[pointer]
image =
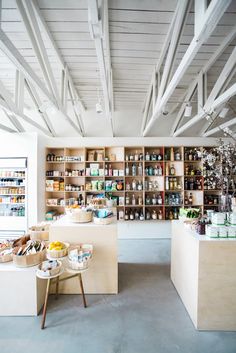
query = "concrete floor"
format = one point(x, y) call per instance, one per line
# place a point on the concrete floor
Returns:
point(146, 317)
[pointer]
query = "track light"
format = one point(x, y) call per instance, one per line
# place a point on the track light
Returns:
point(188, 110)
point(223, 113)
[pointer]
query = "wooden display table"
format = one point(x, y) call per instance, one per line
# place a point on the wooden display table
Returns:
point(102, 277)
point(21, 293)
point(203, 271)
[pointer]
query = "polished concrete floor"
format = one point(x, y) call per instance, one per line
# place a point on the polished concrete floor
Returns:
point(146, 317)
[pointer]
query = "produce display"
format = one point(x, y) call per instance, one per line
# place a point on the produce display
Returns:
point(56, 245)
point(189, 212)
point(57, 249)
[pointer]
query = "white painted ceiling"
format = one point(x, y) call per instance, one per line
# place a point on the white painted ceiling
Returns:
point(137, 32)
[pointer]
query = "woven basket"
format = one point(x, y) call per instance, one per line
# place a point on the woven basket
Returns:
point(28, 260)
point(103, 221)
point(48, 273)
point(38, 235)
point(6, 258)
point(56, 254)
point(76, 265)
point(80, 216)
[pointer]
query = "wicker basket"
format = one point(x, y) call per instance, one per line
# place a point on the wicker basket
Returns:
point(56, 254)
point(38, 235)
point(6, 258)
point(80, 216)
point(48, 273)
point(28, 260)
point(103, 221)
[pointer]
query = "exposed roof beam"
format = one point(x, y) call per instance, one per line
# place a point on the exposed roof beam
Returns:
point(220, 127)
point(15, 122)
point(157, 69)
point(108, 54)
point(54, 45)
point(37, 102)
point(17, 59)
point(19, 91)
point(24, 117)
point(34, 34)
point(211, 17)
point(229, 66)
point(170, 59)
point(95, 25)
point(6, 128)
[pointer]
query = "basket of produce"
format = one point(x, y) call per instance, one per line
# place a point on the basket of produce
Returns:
point(40, 231)
point(30, 254)
point(103, 216)
point(79, 215)
point(49, 268)
point(57, 249)
point(6, 252)
point(79, 256)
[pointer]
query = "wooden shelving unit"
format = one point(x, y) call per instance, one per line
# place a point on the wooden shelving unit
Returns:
point(76, 174)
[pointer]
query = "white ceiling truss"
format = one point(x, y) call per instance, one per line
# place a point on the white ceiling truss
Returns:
point(146, 60)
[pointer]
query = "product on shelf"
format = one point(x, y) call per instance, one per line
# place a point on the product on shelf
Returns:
point(57, 249)
point(49, 268)
point(79, 256)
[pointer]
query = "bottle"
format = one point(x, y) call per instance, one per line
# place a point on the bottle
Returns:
point(140, 200)
point(140, 156)
point(191, 184)
point(133, 200)
point(167, 183)
point(146, 171)
point(136, 215)
point(128, 187)
point(190, 155)
point(175, 215)
point(160, 214)
point(131, 157)
point(171, 154)
point(160, 170)
point(127, 169)
point(148, 215)
point(167, 169)
point(147, 156)
point(186, 183)
point(141, 216)
point(171, 216)
point(106, 171)
point(150, 170)
point(190, 199)
point(154, 214)
point(134, 170)
point(134, 184)
point(139, 186)
point(140, 170)
point(110, 170)
point(136, 156)
point(153, 156)
point(131, 215)
point(177, 155)
point(159, 200)
point(186, 200)
point(127, 199)
point(126, 215)
point(154, 200)
point(148, 200)
point(172, 170)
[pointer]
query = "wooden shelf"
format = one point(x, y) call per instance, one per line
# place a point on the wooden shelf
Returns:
point(120, 163)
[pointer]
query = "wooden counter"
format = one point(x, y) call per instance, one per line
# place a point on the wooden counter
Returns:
point(203, 271)
point(102, 276)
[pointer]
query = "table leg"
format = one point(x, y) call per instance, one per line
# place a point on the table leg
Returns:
point(45, 304)
point(57, 286)
point(82, 289)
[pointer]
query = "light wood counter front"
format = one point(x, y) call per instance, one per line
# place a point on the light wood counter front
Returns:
point(203, 271)
point(102, 275)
